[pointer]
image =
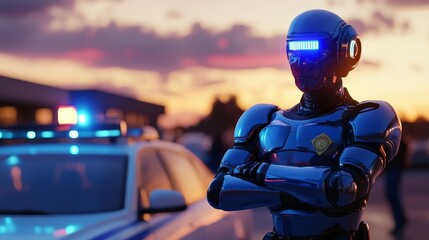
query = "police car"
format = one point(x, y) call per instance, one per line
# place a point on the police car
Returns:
point(102, 182)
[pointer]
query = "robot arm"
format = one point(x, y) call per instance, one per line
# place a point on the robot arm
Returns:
point(258, 184)
point(344, 186)
point(244, 136)
point(231, 193)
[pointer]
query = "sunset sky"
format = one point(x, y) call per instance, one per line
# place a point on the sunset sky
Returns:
point(182, 54)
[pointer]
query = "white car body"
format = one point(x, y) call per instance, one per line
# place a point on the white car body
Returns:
point(197, 221)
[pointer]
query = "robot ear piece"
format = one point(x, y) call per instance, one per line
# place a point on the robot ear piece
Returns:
point(349, 50)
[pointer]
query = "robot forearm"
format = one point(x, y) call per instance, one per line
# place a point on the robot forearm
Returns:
point(308, 184)
point(230, 193)
point(327, 187)
point(258, 184)
point(320, 187)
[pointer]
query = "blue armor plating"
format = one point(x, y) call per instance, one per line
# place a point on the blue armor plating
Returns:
point(384, 128)
point(235, 157)
point(253, 118)
point(238, 194)
point(312, 165)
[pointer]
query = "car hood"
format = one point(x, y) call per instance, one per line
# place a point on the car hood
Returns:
point(62, 226)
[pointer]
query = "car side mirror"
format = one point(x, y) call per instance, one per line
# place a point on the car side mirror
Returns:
point(161, 200)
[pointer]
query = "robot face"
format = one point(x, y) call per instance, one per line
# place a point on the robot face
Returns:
point(308, 61)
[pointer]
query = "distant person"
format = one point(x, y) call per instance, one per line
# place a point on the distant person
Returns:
point(393, 179)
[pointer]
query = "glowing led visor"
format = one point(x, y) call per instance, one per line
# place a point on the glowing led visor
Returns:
point(303, 45)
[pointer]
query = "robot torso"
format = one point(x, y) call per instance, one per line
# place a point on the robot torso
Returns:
point(302, 142)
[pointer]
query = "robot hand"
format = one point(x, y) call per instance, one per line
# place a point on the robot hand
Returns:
point(251, 172)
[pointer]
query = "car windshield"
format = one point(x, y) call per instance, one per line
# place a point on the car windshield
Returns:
point(61, 184)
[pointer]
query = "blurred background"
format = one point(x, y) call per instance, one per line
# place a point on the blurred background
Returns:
point(191, 67)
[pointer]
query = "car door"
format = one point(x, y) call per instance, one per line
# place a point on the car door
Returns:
point(190, 177)
point(153, 174)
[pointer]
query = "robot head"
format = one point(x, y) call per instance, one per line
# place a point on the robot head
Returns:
point(321, 47)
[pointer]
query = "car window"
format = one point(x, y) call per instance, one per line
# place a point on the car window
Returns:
point(151, 175)
point(61, 183)
point(184, 176)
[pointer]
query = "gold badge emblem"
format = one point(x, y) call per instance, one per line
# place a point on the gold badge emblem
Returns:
point(321, 143)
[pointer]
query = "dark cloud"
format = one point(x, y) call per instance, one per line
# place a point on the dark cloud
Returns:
point(26, 7)
point(361, 27)
point(397, 3)
point(408, 3)
point(382, 20)
point(378, 23)
point(139, 48)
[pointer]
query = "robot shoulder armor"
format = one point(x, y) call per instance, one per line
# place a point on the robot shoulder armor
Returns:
point(256, 116)
point(377, 122)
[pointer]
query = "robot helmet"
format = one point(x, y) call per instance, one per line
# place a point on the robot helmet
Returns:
point(319, 46)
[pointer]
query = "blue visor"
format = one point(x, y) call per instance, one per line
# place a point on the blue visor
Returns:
point(303, 45)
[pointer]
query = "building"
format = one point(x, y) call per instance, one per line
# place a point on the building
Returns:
point(23, 102)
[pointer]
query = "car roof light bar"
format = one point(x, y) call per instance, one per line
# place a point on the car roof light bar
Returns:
point(110, 130)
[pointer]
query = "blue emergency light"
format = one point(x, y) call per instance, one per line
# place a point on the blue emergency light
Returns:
point(303, 45)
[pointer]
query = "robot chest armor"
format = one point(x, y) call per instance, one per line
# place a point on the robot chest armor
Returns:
point(310, 142)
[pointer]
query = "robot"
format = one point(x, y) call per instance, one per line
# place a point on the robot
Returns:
point(312, 165)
